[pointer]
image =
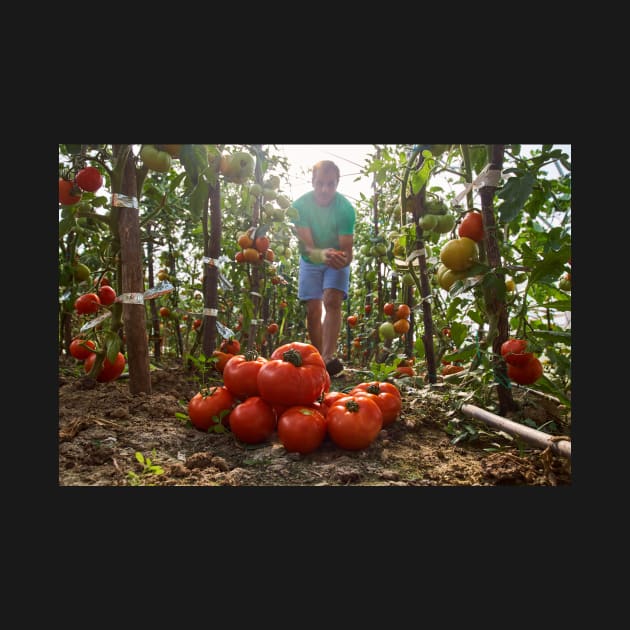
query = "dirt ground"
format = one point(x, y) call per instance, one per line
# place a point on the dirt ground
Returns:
point(104, 431)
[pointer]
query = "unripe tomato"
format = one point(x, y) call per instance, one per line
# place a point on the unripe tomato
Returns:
point(89, 178)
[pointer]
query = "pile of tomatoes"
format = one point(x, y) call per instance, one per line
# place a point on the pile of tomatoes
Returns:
point(290, 393)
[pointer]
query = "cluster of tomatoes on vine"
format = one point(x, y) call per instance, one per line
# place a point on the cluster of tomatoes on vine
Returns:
point(87, 179)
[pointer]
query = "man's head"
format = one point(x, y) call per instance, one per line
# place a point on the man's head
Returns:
point(325, 180)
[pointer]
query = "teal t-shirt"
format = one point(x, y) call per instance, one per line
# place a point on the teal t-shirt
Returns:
point(326, 222)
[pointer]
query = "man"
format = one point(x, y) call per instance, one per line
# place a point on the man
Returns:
point(325, 228)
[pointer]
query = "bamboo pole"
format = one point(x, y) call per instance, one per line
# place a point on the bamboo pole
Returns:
point(559, 445)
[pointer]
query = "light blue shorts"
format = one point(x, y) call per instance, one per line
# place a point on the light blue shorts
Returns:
point(313, 279)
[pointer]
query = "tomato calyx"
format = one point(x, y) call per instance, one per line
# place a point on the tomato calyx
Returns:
point(373, 389)
point(352, 405)
point(292, 356)
point(208, 392)
point(251, 355)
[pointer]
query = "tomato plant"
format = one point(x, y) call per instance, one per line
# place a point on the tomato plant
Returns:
point(78, 349)
point(253, 420)
point(240, 374)
point(301, 429)
point(210, 408)
point(294, 375)
point(109, 371)
point(89, 178)
point(354, 422)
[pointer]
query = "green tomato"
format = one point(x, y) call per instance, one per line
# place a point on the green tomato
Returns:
point(156, 160)
point(386, 331)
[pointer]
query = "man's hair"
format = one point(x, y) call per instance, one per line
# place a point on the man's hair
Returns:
point(326, 165)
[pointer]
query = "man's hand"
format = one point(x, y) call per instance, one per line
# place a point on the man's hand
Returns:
point(335, 258)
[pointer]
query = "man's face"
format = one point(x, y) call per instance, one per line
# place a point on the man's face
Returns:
point(324, 186)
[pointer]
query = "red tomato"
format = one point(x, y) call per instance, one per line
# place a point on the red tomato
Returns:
point(231, 346)
point(329, 399)
point(527, 373)
point(389, 308)
point(513, 352)
point(354, 422)
point(253, 420)
point(78, 349)
point(471, 226)
point(109, 371)
point(165, 312)
point(210, 407)
point(87, 303)
point(261, 243)
point(301, 429)
point(273, 328)
point(294, 375)
point(446, 332)
point(405, 370)
point(240, 375)
point(222, 359)
point(89, 178)
point(196, 324)
point(368, 309)
point(352, 320)
point(383, 386)
point(106, 295)
point(389, 402)
point(68, 193)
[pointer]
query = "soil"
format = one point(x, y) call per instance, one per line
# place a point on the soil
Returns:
point(103, 430)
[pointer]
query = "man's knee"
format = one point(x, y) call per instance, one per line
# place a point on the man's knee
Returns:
point(333, 299)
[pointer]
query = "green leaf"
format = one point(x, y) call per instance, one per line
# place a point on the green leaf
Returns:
point(199, 199)
point(551, 266)
point(553, 336)
point(112, 345)
point(140, 457)
point(459, 332)
point(515, 193)
point(194, 158)
point(65, 225)
point(465, 353)
point(558, 305)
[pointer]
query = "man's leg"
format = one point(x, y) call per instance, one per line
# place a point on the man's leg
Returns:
point(333, 299)
point(314, 322)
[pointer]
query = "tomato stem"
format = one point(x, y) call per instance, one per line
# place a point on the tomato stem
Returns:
point(292, 356)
